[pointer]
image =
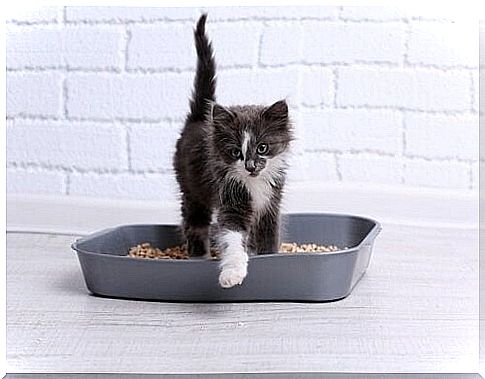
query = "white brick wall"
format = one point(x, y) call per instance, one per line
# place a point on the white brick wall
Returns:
point(419, 172)
point(273, 13)
point(478, 101)
point(237, 43)
point(443, 44)
point(316, 86)
point(408, 88)
point(475, 175)
point(359, 13)
point(91, 15)
point(34, 16)
point(313, 166)
point(152, 146)
point(34, 94)
point(149, 186)
point(258, 86)
point(128, 96)
point(158, 47)
point(370, 168)
point(438, 136)
point(93, 47)
point(370, 130)
point(281, 43)
point(84, 146)
point(38, 181)
point(337, 42)
point(96, 96)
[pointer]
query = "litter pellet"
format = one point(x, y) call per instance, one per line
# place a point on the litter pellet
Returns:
point(146, 250)
point(307, 248)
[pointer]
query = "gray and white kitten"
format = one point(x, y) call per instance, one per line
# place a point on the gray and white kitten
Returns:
point(233, 160)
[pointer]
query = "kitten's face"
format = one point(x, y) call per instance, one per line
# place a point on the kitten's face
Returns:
point(252, 139)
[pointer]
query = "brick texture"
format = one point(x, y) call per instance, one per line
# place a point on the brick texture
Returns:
point(96, 96)
point(438, 136)
point(152, 146)
point(420, 89)
point(34, 94)
point(137, 97)
point(370, 168)
point(316, 86)
point(79, 47)
point(427, 40)
point(125, 186)
point(35, 181)
point(33, 15)
point(418, 172)
point(74, 145)
point(352, 42)
point(360, 130)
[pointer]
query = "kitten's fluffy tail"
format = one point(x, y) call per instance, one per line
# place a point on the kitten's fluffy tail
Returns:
point(205, 81)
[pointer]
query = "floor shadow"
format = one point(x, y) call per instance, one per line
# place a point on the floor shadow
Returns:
point(71, 281)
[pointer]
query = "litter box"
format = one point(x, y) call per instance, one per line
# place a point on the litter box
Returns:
point(302, 277)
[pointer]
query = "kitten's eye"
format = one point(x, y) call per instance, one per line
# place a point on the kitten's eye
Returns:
point(236, 153)
point(262, 148)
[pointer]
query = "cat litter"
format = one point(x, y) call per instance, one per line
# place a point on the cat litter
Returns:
point(146, 250)
point(295, 276)
point(307, 248)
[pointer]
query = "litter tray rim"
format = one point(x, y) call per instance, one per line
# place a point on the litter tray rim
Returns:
point(371, 235)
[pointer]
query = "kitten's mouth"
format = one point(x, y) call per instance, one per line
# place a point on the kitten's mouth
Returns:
point(253, 174)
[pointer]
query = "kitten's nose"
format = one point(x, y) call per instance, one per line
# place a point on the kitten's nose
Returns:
point(250, 166)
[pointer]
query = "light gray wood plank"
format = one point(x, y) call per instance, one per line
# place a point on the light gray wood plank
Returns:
point(246, 376)
point(416, 310)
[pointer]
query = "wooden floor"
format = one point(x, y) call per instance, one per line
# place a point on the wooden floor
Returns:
point(416, 310)
point(291, 375)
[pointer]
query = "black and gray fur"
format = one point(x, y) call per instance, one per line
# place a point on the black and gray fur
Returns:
point(213, 172)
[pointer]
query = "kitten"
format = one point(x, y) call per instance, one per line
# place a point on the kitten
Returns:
point(233, 160)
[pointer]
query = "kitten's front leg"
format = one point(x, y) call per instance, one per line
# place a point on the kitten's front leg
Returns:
point(234, 259)
point(234, 219)
point(264, 238)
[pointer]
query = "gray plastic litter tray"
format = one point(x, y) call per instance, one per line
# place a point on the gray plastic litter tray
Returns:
point(271, 277)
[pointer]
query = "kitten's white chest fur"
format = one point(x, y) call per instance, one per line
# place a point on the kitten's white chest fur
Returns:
point(261, 187)
point(260, 190)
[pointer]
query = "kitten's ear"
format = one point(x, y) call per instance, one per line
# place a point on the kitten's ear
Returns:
point(278, 112)
point(221, 115)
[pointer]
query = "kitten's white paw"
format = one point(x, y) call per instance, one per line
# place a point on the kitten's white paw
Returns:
point(231, 276)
